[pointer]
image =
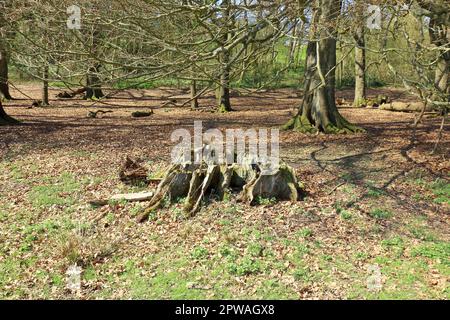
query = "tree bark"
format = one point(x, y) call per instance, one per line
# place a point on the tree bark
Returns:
point(293, 44)
point(4, 87)
point(4, 118)
point(194, 101)
point(93, 81)
point(318, 111)
point(360, 61)
point(223, 91)
point(440, 36)
point(45, 86)
point(93, 84)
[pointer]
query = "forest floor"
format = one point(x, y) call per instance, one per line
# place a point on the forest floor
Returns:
point(375, 201)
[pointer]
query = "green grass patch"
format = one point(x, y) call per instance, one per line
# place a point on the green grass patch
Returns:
point(438, 251)
point(441, 191)
point(245, 266)
point(200, 253)
point(55, 192)
point(304, 233)
point(380, 214)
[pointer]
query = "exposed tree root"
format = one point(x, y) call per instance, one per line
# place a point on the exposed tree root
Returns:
point(223, 108)
point(302, 124)
point(6, 119)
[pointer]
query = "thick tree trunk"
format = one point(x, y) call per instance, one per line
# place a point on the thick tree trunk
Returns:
point(4, 118)
point(360, 66)
point(4, 88)
point(439, 29)
point(93, 81)
point(442, 79)
point(223, 91)
point(93, 84)
point(318, 111)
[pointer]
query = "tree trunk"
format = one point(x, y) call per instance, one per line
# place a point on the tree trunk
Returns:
point(440, 36)
point(223, 91)
point(442, 79)
point(4, 88)
point(318, 111)
point(4, 118)
point(93, 81)
point(194, 99)
point(93, 84)
point(45, 86)
point(360, 64)
point(293, 44)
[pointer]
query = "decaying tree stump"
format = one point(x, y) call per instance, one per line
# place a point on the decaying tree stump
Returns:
point(197, 182)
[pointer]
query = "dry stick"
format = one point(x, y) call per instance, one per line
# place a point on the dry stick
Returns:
point(337, 187)
point(165, 104)
point(441, 129)
point(418, 120)
point(20, 91)
point(205, 90)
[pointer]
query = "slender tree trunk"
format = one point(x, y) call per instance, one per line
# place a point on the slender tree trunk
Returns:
point(340, 69)
point(293, 44)
point(4, 87)
point(360, 66)
point(45, 101)
point(318, 111)
point(194, 99)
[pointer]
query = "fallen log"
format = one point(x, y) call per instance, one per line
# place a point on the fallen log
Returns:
point(129, 197)
point(70, 95)
point(405, 107)
point(141, 114)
